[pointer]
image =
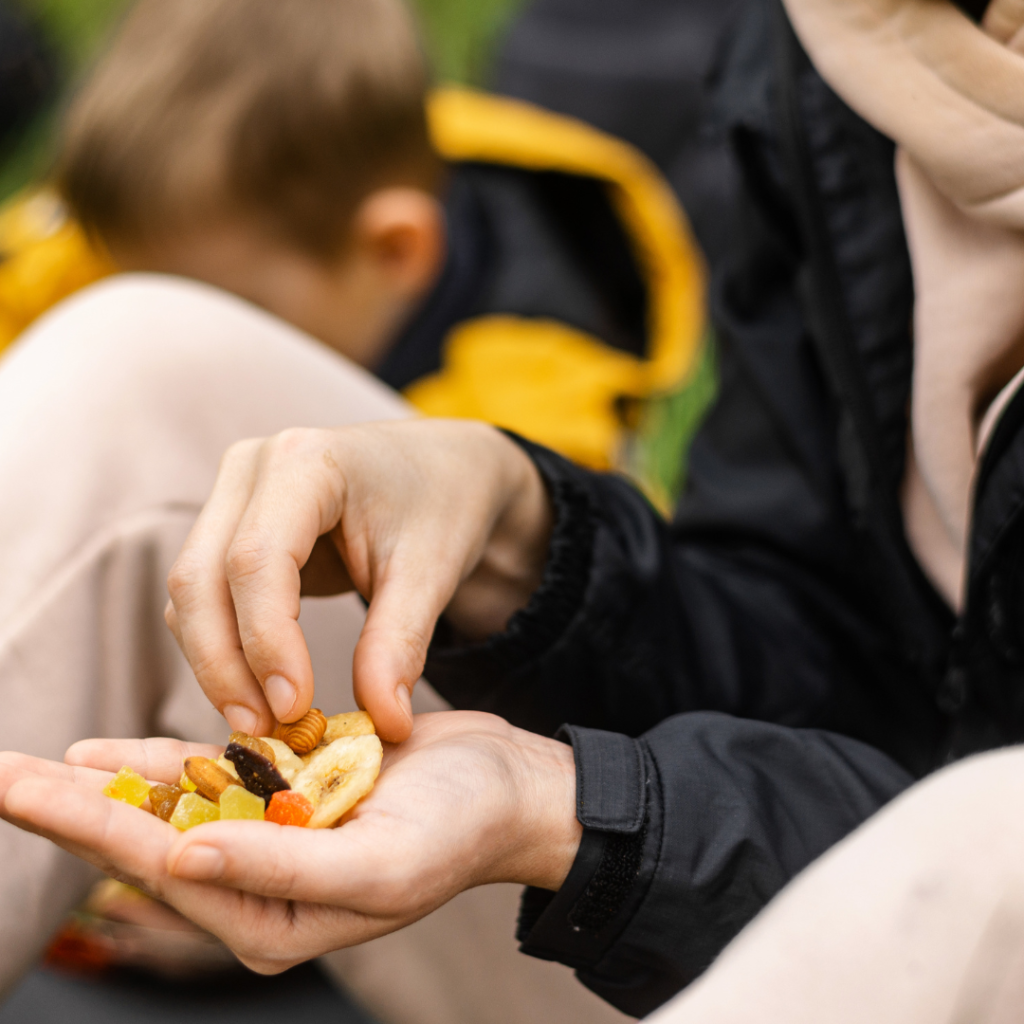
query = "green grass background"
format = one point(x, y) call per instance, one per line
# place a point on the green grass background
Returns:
point(459, 34)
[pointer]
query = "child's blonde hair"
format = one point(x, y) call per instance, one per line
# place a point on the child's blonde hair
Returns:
point(287, 111)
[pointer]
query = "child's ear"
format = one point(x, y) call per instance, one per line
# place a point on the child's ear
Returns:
point(401, 231)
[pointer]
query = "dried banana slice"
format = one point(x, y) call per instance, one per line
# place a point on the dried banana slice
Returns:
point(287, 762)
point(338, 776)
point(352, 723)
point(228, 767)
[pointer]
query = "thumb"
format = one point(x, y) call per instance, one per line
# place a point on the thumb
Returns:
point(391, 653)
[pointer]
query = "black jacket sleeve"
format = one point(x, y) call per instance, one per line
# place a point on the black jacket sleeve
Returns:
point(720, 700)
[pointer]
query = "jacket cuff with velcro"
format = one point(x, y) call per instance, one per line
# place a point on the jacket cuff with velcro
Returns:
point(616, 797)
point(456, 668)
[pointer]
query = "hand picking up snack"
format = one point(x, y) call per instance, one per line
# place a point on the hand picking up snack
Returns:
point(310, 774)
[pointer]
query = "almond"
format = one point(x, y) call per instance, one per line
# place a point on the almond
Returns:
point(208, 777)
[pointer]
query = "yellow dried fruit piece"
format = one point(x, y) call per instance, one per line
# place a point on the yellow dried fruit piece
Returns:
point(224, 763)
point(128, 786)
point(286, 761)
point(186, 783)
point(339, 776)
point(193, 810)
point(238, 804)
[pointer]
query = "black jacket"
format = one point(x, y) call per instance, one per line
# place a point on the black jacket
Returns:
point(749, 683)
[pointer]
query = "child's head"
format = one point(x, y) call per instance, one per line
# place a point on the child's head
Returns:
point(277, 148)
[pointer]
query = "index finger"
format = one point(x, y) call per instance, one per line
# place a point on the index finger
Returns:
point(157, 759)
point(204, 615)
point(297, 496)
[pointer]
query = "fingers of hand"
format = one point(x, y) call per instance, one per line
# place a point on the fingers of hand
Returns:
point(15, 766)
point(203, 616)
point(1003, 19)
point(79, 818)
point(296, 499)
point(309, 865)
point(158, 759)
point(392, 650)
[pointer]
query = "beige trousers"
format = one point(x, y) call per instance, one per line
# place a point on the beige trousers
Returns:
point(114, 411)
point(916, 918)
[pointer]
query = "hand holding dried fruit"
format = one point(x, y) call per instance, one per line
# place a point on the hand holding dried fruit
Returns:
point(327, 765)
point(428, 517)
point(467, 800)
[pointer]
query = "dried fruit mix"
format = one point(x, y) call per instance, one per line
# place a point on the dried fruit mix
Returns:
point(311, 774)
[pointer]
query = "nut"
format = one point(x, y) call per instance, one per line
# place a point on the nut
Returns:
point(243, 739)
point(302, 736)
point(209, 778)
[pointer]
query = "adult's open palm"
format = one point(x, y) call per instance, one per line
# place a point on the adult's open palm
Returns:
point(465, 801)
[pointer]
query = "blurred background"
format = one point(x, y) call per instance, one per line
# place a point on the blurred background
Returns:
point(46, 45)
point(635, 68)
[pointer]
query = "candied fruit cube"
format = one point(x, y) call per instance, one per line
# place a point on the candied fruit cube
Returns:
point(186, 783)
point(289, 808)
point(128, 786)
point(193, 810)
point(237, 803)
point(164, 799)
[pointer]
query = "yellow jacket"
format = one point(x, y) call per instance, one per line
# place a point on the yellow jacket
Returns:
point(540, 376)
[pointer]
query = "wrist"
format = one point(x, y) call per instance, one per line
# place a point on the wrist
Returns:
point(511, 565)
point(543, 813)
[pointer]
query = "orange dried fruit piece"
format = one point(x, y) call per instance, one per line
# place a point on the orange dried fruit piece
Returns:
point(128, 786)
point(192, 810)
point(164, 799)
point(238, 804)
point(289, 808)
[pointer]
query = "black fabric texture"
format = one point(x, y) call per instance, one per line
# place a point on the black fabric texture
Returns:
point(609, 779)
point(532, 244)
point(611, 882)
point(774, 650)
point(28, 73)
point(545, 929)
point(560, 253)
point(640, 70)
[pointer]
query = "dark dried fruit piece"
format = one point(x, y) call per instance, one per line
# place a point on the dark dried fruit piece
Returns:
point(208, 777)
point(243, 739)
point(164, 799)
point(258, 775)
